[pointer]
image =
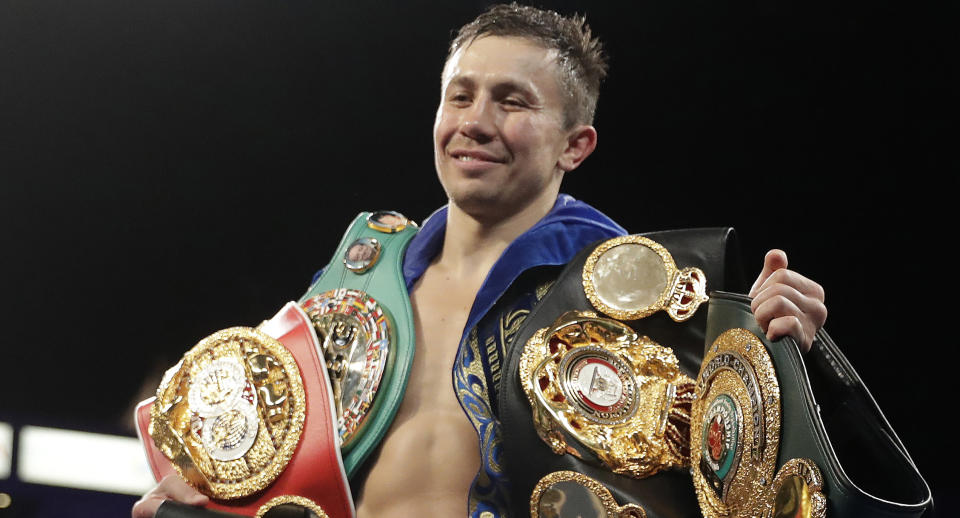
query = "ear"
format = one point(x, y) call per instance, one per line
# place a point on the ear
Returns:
point(581, 141)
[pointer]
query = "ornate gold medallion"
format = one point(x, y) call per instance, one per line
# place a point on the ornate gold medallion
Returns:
point(354, 334)
point(736, 427)
point(315, 511)
point(798, 491)
point(568, 494)
point(230, 414)
point(620, 395)
point(631, 277)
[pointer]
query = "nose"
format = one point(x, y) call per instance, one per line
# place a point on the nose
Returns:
point(478, 122)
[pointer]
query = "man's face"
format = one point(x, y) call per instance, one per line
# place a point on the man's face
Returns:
point(499, 130)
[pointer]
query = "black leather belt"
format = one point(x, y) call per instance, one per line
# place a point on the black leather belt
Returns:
point(813, 426)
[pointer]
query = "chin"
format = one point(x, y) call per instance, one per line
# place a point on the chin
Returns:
point(491, 207)
point(479, 203)
point(489, 199)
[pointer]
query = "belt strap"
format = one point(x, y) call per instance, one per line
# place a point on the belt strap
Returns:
point(382, 281)
point(830, 418)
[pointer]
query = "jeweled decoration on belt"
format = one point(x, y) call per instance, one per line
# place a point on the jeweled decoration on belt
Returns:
point(594, 383)
point(229, 415)
point(355, 335)
point(735, 440)
point(631, 277)
point(568, 494)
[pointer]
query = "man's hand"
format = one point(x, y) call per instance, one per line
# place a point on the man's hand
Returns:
point(171, 487)
point(787, 303)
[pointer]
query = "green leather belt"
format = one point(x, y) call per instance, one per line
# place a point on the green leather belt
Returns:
point(830, 421)
point(361, 312)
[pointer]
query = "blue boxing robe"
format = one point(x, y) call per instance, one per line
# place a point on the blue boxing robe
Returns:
point(515, 283)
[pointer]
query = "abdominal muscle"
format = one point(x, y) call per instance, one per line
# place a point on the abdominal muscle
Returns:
point(430, 455)
point(424, 469)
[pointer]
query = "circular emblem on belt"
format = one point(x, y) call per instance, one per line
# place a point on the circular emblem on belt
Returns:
point(229, 435)
point(354, 334)
point(735, 423)
point(631, 277)
point(362, 254)
point(719, 437)
point(568, 493)
point(594, 385)
point(388, 221)
point(798, 491)
point(230, 414)
point(601, 384)
point(218, 387)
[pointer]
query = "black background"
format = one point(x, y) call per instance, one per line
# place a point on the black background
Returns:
point(169, 168)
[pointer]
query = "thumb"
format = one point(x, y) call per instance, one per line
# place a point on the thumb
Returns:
point(775, 259)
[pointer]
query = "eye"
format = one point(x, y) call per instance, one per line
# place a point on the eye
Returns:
point(460, 98)
point(514, 103)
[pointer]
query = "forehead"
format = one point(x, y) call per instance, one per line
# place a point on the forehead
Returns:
point(499, 58)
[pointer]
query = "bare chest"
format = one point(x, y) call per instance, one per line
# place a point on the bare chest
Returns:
point(431, 442)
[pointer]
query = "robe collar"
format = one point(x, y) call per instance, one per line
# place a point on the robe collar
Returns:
point(554, 240)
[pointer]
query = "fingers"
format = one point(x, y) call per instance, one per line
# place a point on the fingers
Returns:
point(782, 309)
point(171, 487)
point(793, 279)
point(774, 260)
point(790, 326)
point(145, 508)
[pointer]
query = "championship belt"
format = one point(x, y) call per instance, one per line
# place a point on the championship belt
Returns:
point(361, 312)
point(257, 418)
point(600, 379)
point(635, 428)
point(780, 434)
point(231, 418)
point(595, 380)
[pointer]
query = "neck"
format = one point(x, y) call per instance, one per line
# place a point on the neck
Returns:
point(473, 244)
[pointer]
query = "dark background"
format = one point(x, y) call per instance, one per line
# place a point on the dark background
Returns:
point(169, 168)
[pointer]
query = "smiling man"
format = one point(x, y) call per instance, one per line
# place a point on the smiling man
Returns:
point(519, 90)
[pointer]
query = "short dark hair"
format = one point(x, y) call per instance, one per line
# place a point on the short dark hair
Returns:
point(581, 59)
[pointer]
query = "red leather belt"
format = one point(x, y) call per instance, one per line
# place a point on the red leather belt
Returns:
point(205, 424)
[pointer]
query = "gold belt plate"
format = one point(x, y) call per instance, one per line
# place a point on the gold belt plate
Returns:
point(631, 277)
point(568, 494)
point(735, 434)
point(355, 341)
point(229, 415)
point(620, 395)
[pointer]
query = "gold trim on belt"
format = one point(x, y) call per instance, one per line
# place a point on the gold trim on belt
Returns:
point(230, 414)
point(620, 395)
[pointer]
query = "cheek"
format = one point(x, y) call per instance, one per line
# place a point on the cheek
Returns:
point(442, 129)
point(441, 136)
point(532, 137)
point(521, 135)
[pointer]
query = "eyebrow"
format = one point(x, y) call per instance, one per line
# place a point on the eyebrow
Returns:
point(500, 88)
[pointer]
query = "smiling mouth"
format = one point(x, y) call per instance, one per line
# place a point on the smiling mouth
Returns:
point(466, 157)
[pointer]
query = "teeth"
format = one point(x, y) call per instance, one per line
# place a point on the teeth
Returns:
point(463, 158)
